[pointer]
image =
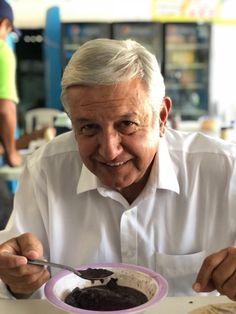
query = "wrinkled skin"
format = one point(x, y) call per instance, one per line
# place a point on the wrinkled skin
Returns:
point(117, 132)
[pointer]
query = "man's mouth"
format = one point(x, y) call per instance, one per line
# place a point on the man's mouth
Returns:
point(115, 164)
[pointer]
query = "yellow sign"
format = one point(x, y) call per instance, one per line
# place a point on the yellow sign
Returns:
point(220, 11)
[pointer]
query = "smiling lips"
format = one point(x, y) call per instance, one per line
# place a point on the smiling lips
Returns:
point(115, 164)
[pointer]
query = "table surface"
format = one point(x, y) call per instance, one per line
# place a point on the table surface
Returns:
point(169, 305)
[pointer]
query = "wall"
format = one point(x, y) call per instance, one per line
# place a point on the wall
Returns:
point(31, 14)
point(223, 69)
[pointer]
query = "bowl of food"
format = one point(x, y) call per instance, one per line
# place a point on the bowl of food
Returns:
point(130, 289)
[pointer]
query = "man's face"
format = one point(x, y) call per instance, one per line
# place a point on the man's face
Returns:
point(116, 131)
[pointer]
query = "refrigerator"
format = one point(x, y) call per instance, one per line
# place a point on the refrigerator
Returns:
point(186, 68)
point(148, 34)
point(77, 33)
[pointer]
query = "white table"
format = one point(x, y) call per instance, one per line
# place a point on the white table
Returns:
point(170, 305)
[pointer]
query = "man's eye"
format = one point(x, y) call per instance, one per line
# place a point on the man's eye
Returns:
point(127, 123)
point(88, 129)
point(128, 127)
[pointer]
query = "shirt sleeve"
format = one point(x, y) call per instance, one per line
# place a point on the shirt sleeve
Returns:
point(6, 294)
point(27, 217)
point(29, 199)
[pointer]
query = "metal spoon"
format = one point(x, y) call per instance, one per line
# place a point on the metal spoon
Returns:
point(90, 273)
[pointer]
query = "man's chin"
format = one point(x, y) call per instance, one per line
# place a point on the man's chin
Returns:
point(118, 186)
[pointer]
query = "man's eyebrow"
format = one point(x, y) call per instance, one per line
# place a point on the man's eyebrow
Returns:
point(83, 120)
point(129, 115)
point(125, 116)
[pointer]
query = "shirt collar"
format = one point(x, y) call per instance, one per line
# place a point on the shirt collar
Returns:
point(87, 181)
point(162, 176)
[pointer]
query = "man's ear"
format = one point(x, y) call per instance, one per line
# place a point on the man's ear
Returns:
point(164, 112)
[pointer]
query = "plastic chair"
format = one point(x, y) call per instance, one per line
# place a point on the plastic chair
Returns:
point(40, 117)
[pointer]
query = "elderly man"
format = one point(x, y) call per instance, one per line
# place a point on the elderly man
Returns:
point(121, 187)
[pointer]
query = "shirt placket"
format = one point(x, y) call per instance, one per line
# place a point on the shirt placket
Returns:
point(128, 236)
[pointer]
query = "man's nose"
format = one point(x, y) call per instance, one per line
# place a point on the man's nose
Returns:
point(110, 144)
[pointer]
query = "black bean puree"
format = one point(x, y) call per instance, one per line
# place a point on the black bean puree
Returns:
point(98, 273)
point(109, 297)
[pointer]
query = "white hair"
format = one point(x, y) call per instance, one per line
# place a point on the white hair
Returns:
point(107, 62)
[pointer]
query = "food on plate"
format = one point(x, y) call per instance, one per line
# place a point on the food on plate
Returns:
point(91, 273)
point(109, 297)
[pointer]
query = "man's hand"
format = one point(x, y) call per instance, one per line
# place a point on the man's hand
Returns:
point(218, 272)
point(22, 279)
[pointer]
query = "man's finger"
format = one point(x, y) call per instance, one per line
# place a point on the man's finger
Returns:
point(203, 281)
point(11, 261)
point(30, 246)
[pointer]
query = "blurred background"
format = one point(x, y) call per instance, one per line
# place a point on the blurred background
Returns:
point(194, 42)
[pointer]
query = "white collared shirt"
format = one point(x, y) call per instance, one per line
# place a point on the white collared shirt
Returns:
point(186, 211)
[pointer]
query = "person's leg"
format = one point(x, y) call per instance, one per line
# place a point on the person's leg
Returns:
point(7, 132)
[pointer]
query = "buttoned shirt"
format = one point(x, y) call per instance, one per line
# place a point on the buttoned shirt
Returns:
point(185, 212)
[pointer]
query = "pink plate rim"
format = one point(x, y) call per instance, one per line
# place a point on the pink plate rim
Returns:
point(162, 292)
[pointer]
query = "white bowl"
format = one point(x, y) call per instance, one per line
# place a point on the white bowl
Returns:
point(152, 284)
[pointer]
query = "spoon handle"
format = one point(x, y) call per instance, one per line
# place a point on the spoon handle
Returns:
point(88, 274)
point(44, 262)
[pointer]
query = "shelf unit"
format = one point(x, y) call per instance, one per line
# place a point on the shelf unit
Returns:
point(186, 67)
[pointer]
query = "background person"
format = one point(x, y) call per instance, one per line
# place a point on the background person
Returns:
point(8, 92)
point(121, 187)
